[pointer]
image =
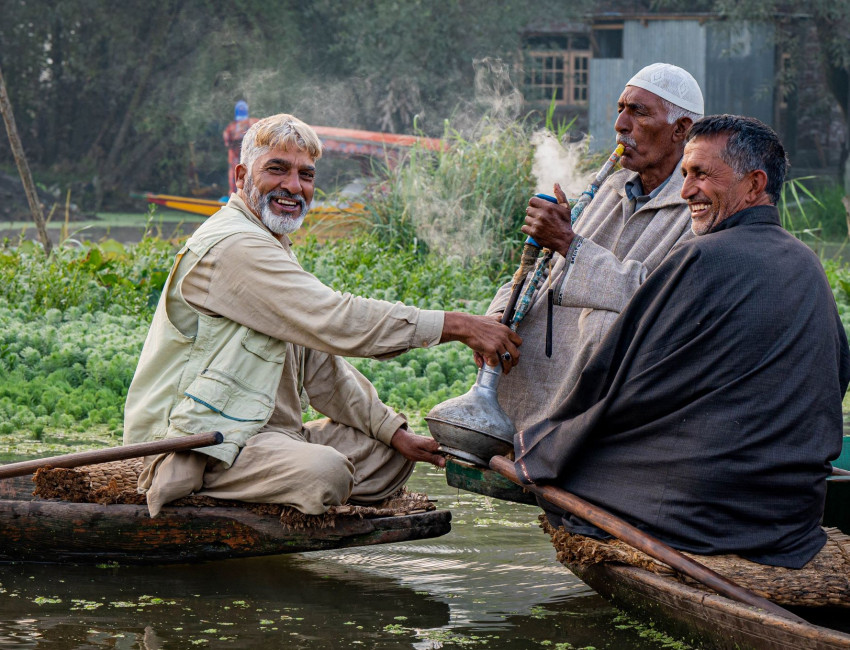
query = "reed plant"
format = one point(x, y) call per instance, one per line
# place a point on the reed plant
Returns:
point(463, 202)
point(814, 211)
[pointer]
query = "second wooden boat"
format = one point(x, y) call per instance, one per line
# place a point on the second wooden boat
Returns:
point(707, 620)
point(697, 616)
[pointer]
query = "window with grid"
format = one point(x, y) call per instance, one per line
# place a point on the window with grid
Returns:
point(558, 74)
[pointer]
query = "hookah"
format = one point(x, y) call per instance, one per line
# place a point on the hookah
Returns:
point(473, 427)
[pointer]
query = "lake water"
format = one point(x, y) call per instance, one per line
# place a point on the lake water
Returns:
point(492, 582)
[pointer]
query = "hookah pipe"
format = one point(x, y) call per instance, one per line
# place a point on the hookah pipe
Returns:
point(515, 317)
point(473, 426)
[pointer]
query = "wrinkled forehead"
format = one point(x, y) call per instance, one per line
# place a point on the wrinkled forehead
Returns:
point(289, 154)
point(707, 145)
point(705, 152)
point(641, 96)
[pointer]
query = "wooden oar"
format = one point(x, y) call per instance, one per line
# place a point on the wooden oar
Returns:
point(113, 453)
point(642, 541)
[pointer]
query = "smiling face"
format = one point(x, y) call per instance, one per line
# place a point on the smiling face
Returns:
point(652, 145)
point(713, 190)
point(279, 188)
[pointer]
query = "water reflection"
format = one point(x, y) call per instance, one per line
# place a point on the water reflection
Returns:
point(493, 582)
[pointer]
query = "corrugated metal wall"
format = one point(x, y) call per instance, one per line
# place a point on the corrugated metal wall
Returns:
point(607, 79)
point(740, 70)
point(735, 69)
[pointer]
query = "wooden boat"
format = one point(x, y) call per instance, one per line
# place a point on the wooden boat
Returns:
point(208, 207)
point(700, 618)
point(203, 207)
point(706, 620)
point(41, 530)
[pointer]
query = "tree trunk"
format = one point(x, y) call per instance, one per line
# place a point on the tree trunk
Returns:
point(23, 167)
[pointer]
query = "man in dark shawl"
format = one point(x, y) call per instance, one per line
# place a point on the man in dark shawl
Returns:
point(709, 413)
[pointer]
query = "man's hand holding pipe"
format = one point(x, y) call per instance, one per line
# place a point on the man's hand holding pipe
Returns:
point(497, 343)
point(549, 223)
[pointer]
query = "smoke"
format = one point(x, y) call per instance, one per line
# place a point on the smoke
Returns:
point(328, 103)
point(495, 91)
point(450, 225)
point(496, 99)
point(557, 162)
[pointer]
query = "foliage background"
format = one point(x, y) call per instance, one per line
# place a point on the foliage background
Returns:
point(114, 97)
point(108, 96)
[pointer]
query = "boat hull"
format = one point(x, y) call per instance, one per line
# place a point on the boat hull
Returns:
point(36, 530)
point(699, 618)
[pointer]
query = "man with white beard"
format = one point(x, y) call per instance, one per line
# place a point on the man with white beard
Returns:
point(244, 338)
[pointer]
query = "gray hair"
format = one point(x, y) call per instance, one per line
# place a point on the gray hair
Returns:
point(675, 112)
point(278, 131)
point(751, 145)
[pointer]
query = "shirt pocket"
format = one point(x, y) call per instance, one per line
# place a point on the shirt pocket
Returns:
point(593, 325)
point(215, 401)
point(266, 347)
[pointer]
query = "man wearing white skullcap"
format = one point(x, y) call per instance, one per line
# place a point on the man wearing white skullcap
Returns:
point(635, 219)
point(671, 83)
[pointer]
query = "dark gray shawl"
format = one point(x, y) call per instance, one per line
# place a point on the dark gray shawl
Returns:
point(710, 411)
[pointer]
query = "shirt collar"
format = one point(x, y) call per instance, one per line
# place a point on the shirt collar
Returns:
point(634, 189)
point(749, 216)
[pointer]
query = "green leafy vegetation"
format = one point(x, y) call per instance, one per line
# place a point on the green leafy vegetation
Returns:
point(90, 277)
point(813, 214)
point(72, 325)
point(72, 328)
point(647, 630)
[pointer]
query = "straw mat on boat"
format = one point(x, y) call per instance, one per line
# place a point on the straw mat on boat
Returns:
point(115, 482)
point(824, 581)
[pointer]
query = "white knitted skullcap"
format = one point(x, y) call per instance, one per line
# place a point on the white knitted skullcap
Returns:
point(672, 83)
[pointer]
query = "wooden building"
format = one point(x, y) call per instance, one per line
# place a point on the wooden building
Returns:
point(742, 67)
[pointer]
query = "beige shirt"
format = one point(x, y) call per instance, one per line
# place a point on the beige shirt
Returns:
point(617, 249)
point(250, 281)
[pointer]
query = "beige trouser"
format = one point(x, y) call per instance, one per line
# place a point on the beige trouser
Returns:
point(326, 464)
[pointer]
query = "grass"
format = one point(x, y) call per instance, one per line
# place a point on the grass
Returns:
point(814, 213)
point(464, 202)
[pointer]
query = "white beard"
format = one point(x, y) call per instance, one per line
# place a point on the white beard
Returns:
point(260, 204)
point(279, 224)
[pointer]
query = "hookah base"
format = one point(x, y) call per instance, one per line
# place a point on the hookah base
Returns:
point(463, 455)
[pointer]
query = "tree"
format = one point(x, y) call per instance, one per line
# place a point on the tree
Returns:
point(116, 96)
point(414, 61)
point(831, 19)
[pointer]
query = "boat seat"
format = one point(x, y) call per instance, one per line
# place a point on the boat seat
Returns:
point(115, 483)
point(823, 582)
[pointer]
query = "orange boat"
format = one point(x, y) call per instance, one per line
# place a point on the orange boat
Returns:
point(371, 143)
point(325, 217)
point(205, 207)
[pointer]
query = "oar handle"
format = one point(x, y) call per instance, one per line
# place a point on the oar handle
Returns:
point(95, 456)
point(640, 540)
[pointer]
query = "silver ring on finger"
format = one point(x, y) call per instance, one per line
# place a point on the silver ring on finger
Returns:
point(506, 356)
